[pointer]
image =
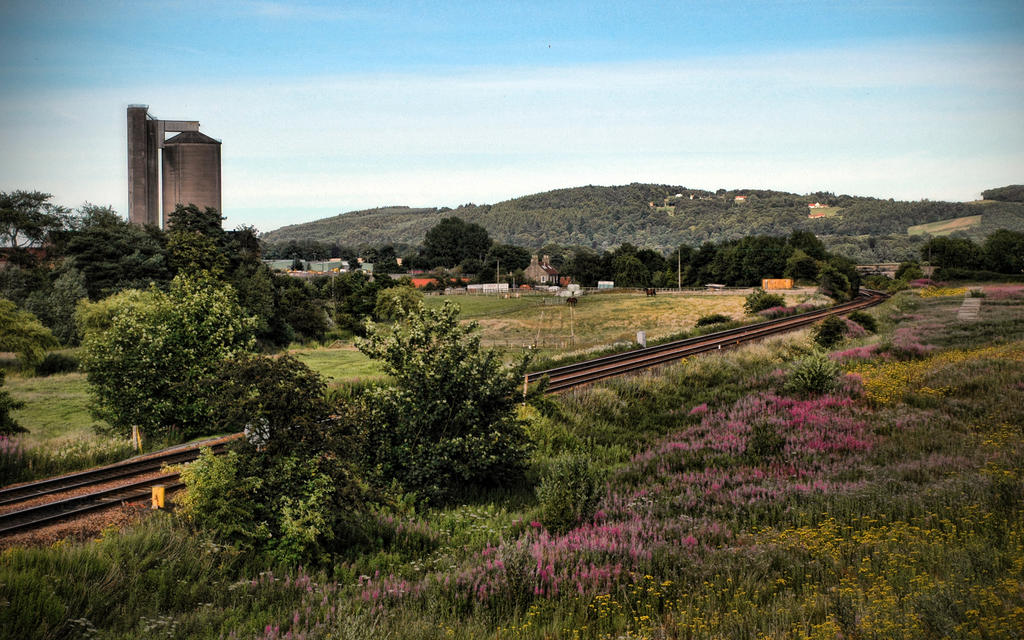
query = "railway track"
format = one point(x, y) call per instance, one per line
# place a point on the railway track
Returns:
point(559, 379)
point(118, 478)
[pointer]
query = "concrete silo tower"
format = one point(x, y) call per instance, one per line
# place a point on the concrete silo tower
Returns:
point(191, 168)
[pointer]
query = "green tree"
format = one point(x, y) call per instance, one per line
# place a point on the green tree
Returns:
point(630, 272)
point(27, 218)
point(289, 487)
point(507, 257)
point(22, 333)
point(957, 253)
point(448, 423)
point(909, 270)
point(190, 219)
point(586, 267)
point(191, 252)
point(113, 254)
point(147, 354)
point(801, 266)
point(834, 283)
point(55, 305)
point(396, 302)
point(453, 240)
point(829, 332)
point(1009, 193)
point(1004, 251)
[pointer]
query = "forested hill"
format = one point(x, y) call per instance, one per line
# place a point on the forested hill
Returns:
point(604, 217)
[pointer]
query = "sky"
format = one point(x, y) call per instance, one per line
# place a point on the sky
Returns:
point(326, 107)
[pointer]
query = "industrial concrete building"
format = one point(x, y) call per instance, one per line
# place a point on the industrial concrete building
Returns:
point(191, 167)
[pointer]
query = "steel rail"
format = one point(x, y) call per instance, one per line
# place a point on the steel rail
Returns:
point(124, 469)
point(560, 378)
point(35, 517)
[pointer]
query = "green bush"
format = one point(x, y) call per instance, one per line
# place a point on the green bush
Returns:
point(713, 318)
point(288, 489)
point(760, 300)
point(56, 363)
point(220, 500)
point(449, 421)
point(830, 332)
point(568, 493)
point(816, 373)
point(865, 320)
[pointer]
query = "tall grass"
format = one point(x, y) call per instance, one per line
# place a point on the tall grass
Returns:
point(20, 464)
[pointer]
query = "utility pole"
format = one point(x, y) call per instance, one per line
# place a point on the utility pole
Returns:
point(497, 277)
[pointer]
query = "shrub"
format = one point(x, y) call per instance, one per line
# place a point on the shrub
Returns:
point(449, 422)
point(289, 488)
point(830, 332)
point(221, 501)
point(865, 320)
point(712, 318)
point(816, 373)
point(57, 363)
point(761, 299)
point(568, 493)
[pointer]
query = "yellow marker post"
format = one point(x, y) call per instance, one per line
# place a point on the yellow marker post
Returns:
point(158, 496)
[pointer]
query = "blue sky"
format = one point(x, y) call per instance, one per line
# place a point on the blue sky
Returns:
point(329, 107)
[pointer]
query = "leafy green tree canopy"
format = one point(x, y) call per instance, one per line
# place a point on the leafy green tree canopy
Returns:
point(27, 218)
point(1009, 193)
point(22, 333)
point(452, 241)
point(289, 488)
point(148, 353)
point(397, 302)
point(449, 422)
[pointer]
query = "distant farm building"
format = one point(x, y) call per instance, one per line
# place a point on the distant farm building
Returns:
point(776, 283)
point(541, 271)
point(740, 199)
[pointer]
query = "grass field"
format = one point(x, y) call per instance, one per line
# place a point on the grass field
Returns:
point(944, 227)
point(339, 364)
point(605, 319)
point(56, 409)
point(825, 212)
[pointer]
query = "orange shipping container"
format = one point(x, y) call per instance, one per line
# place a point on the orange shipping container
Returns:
point(776, 283)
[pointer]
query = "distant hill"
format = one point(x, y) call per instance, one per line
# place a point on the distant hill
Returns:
point(663, 216)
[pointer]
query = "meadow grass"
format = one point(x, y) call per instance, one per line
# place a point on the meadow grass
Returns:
point(345, 364)
point(598, 319)
point(890, 507)
point(56, 409)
